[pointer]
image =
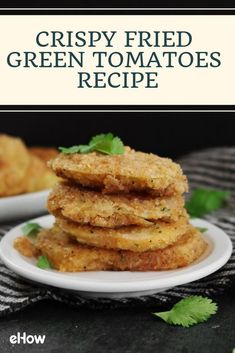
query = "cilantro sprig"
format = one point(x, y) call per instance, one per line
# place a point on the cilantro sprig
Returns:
point(31, 230)
point(189, 311)
point(205, 201)
point(103, 143)
point(202, 229)
point(43, 262)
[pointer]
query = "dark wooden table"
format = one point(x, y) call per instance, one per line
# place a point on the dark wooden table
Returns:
point(129, 330)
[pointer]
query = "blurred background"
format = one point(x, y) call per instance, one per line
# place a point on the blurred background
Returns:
point(165, 133)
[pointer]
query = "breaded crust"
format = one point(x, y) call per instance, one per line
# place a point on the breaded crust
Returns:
point(38, 176)
point(94, 208)
point(14, 163)
point(26, 247)
point(131, 171)
point(68, 256)
point(22, 171)
point(132, 238)
point(42, 176)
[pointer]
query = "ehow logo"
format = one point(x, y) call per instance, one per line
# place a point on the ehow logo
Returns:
point(24, 338)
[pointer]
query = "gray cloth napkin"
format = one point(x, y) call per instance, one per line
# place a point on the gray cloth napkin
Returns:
point(212, 168)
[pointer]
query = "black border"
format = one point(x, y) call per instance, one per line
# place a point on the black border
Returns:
point(119, 11)
point(118, 107)
point(123, 11)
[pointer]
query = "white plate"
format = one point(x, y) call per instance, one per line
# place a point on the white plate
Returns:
point(119, 284)
point(23, 206)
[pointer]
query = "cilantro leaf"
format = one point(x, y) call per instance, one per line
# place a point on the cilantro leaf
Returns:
point(204, 201)
point(69, 150)
point(202, 230)
point(189, 311)
point(31, 230)
point(43, 262)
point(99, 138)
point(117, 146)
point(85, 149)
point(103, 143)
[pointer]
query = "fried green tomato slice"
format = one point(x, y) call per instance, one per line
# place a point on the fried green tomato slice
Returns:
point(14, 164)
point(67, 255)
point(131, 171)
point(39, 176)
point(89, 207)
point(134, 238)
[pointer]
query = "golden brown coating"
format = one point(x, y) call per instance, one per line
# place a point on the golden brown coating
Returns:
point(26, 247)
point(22, 171)
point(44, 153)
point(132, 238)
point(68, 256)
point(94, 208)
point(14, 163)
point(44, 178)
point(131, 171)
point(38, 176)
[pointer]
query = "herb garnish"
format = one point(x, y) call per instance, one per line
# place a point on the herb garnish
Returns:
point(189, 311)
point(202, 230)
point(204, 201)
point(31, 230)
point(43, 262)
point(103, 143)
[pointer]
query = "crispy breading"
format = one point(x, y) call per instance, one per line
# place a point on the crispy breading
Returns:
point(133, 238)
point(26, 247)
point(94, 208)
point(22, 171)
point(131, 171)
point(38, 176)
point(68, 256)
point(14, 163)
point(44, 153)
point(45, 178)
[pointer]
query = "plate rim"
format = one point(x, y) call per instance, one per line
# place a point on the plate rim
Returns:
point(61, 280)
point(27, 195)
